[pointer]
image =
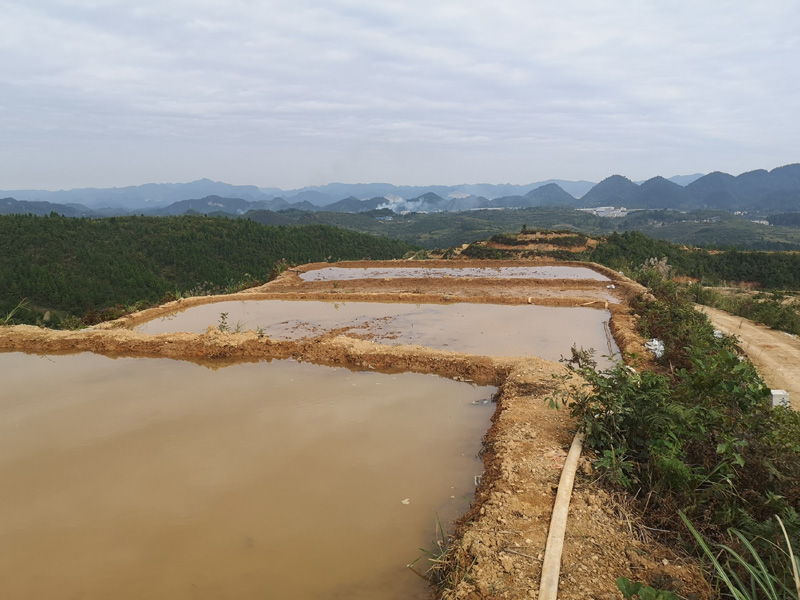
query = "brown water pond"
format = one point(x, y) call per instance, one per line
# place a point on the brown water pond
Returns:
point(151, 478)
point(481, 329)
point(541, 272)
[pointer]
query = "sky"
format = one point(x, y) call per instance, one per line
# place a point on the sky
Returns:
point(103, 93)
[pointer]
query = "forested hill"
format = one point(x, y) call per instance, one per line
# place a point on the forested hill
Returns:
point(76, 265)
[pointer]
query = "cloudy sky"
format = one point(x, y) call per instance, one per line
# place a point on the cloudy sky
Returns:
point(288, 93)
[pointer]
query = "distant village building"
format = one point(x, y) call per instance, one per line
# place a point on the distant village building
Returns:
point(607, 211)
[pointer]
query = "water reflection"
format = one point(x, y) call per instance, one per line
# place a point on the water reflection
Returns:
point(144, 478)
point(481, 329)
point(540, 272)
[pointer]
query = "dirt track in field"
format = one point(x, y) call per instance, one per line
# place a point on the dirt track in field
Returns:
point(775, 354)
point(500, 542)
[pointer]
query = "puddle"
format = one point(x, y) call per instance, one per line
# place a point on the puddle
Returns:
point(149, 478)
point(548, 272)
point(481, 329)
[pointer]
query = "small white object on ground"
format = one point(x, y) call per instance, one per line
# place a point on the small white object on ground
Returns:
point(656, 347)
point(780, 397)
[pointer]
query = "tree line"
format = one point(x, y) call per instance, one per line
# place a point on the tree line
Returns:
point(773, 270)
point(74, 265)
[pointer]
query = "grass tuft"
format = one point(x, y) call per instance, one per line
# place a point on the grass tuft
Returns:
point(749, 578)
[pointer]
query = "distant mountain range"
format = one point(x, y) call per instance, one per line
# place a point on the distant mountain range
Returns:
point(754, 191)
point(150, 196)
point(760, 191)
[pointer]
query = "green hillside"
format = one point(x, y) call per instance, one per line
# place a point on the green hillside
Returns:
point(716, 229)
point(442, 229)
point(628, 250)
point(80, 265)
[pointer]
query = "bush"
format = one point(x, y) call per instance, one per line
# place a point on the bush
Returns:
point(701, 437)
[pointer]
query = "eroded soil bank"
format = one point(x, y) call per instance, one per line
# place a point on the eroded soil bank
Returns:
point(500, 541)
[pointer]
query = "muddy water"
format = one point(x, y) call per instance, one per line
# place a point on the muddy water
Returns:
point(144, 478)
point(543, 272)
point(482, 329)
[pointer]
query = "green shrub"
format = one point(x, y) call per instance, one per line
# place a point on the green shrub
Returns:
point(702, 437)
point(643, 592)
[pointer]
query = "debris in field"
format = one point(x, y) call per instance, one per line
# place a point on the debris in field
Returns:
point(780, 398)
point(611, 287)
point(656, 347)
point(718, 334)
point(406, 501)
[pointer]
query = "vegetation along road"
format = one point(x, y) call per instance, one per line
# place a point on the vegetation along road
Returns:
point(774, 353)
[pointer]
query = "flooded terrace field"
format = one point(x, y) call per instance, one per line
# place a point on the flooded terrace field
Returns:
point(154, 478)
point(501, 272)
point(481, 329)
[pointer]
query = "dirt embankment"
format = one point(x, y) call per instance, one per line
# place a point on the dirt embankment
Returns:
point(500, 543)
point(541, 243)
point(215, 348)
point(501, 540)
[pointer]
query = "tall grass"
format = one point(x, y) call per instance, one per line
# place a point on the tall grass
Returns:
point(8, 319)
point(445, 565)
point(750, 578)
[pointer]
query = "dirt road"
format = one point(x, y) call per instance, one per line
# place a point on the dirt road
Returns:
point(775, 354)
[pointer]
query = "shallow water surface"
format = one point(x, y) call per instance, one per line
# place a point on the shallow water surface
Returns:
point(151, 478)
point(541, 272)
point(481, 329)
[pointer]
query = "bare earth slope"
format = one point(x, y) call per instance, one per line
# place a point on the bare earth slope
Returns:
point(775, 354)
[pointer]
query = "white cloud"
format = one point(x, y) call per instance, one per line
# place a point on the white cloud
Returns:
point(446, 91)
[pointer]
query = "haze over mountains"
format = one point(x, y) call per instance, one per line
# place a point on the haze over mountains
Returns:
point(757, 191)
point(159, 195)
